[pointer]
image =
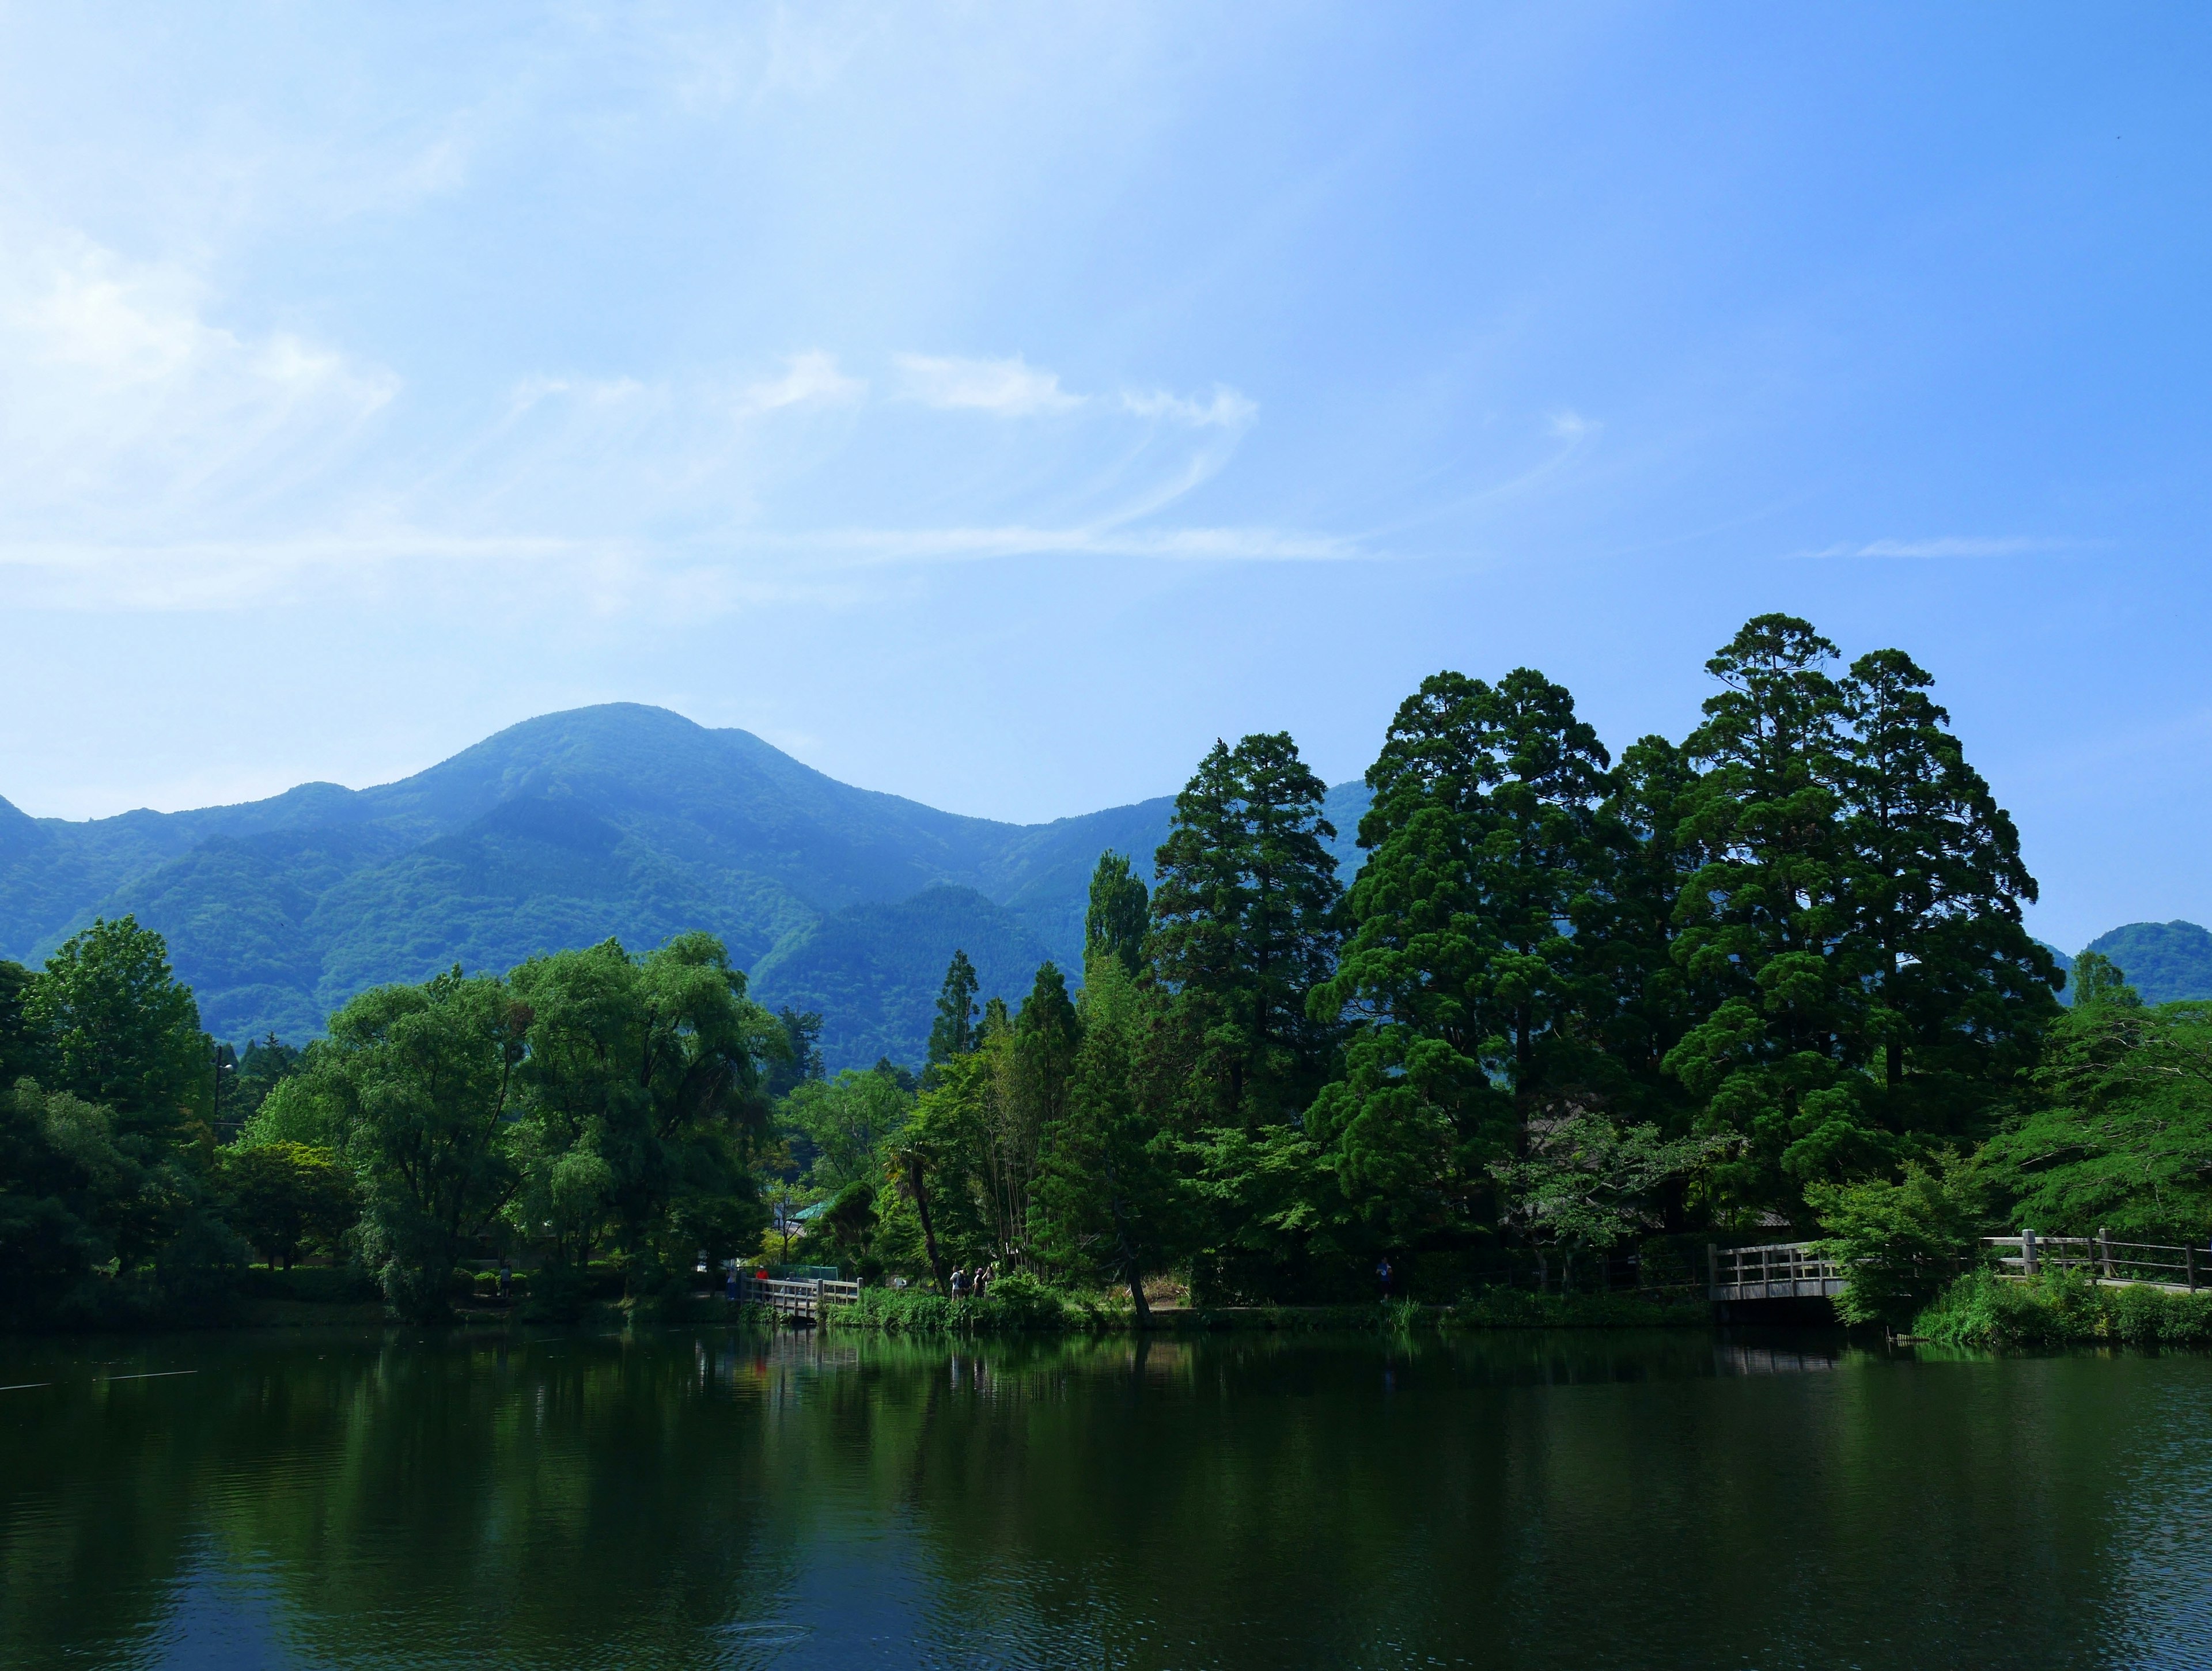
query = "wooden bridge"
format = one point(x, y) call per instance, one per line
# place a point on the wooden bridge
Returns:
point(1776, 1271)
point(797, 1297)
point(1796, 1270)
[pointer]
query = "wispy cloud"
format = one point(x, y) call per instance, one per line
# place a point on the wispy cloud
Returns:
point(807, 379)
point(1224, 408)
point(1949, 545)
point(119, 396)
point(1005, 388)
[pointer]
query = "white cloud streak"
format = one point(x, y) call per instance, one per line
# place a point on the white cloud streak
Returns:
point(1004, 388)
point(1962, 545)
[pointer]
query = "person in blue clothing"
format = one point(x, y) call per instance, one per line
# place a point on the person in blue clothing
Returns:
point(1382, 1276)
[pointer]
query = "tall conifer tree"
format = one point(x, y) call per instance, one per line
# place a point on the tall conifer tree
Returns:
point(953, 1033)
point(1959, 993)
point(1119, 914)
point(1244, 925)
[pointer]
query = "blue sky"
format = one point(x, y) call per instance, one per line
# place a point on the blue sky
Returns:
point(995, 403)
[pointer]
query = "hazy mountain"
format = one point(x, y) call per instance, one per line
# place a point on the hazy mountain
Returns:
point(621, 820)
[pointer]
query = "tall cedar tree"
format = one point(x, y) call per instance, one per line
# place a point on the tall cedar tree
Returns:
point(1763, 918)
point(1244, 915)
point(1108, 1200)
point(1632, 937)
point(1468, 984)
point(1119, 914)
point(1961, 994)
point(953, 1033)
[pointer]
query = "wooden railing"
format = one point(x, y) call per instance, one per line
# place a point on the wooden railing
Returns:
point(2102, 1259)
point(796, 1297)
point(1776, 1271)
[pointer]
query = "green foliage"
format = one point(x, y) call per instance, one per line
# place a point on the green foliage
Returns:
point(1900, 1241)
point(1584, 1182)
point(1982, 1308)
point(420, 1083)
point(2118, 1134)
point(1119, 915)
point(640, 1085)
point(851, 1122)
point(953, 1033)
point(1853, 931)
point(1109, 1200)
point(121, 1031)
point(283, 1197)
point(1016, 1303)
point(1244, 927)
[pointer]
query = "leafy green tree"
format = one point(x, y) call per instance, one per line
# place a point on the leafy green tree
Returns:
point(641, 1113)
point(1109, 1198)
point(282, 1197)
point(953, 1033)
point(2118, 1135)
point(1899, 1242)
point(69, 1194)
point(1584, 1183)
point(1244, 927)
point(22, 1055)
point(1629, 932)
point(1959, 995)
point(2098, 979)
point(853, 1121)
point(1120, 912)
point(121, 1031)
point(419, 1084)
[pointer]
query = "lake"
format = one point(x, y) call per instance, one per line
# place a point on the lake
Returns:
point(1655, 1499)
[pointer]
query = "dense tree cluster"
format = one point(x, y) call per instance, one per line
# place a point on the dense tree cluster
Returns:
point(1565, 1000)
point(1772, 976)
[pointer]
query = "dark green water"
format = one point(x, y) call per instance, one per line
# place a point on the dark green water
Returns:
point(1511, 1500)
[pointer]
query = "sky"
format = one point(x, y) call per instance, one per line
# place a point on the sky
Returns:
point(996, 404)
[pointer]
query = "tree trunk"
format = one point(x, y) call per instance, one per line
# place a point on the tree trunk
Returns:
point(928, 1230)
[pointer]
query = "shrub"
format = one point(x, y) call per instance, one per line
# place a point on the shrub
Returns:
point(2063, 1307)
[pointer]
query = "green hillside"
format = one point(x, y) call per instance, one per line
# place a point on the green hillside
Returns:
point(2163, 961)
point(872, 971)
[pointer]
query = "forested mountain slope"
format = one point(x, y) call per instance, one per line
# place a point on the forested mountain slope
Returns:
point(619, 820)
point(2163, 961)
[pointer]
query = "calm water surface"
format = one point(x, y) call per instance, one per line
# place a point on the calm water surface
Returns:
point(1512, 1500)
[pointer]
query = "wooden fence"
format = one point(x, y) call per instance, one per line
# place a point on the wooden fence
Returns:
point(796, 1297)
point(2102, 1259)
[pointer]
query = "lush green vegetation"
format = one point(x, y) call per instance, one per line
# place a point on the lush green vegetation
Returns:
point(1770, 980)
point(1569, 1011)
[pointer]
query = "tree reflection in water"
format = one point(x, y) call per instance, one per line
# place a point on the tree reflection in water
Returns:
point(1507, 1499)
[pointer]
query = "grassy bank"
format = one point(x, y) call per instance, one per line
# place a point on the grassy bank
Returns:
point(2064, 1308)
point(1020, 1304)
